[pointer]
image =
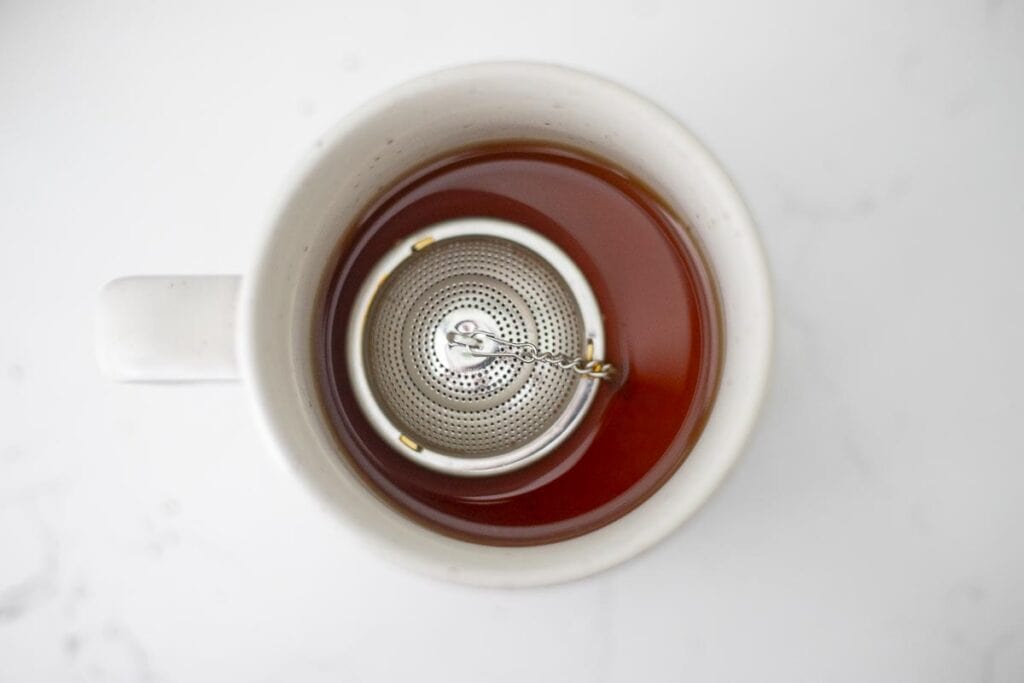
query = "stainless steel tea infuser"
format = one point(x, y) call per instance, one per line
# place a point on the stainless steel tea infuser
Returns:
point(475, 347)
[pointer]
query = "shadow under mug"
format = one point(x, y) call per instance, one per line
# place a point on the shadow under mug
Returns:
point(257, 327)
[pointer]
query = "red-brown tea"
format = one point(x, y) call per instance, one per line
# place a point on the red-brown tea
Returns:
point(662, 328)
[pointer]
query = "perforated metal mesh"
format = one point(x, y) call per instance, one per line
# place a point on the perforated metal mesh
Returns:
point(464, 406)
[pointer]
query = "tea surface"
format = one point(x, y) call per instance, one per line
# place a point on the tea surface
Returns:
point(662, 328)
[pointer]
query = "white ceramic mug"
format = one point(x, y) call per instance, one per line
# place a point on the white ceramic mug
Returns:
point(258, 327)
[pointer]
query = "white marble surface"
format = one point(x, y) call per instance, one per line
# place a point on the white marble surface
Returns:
point(872, 532)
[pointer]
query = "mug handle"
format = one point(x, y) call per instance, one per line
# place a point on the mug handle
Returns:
point(163, 328)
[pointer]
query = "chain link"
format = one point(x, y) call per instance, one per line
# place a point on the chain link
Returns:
point(527, 352)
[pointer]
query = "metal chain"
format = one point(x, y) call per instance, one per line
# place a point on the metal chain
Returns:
point(528, 352)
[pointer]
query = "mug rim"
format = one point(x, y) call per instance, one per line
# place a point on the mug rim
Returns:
point(593, 552)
